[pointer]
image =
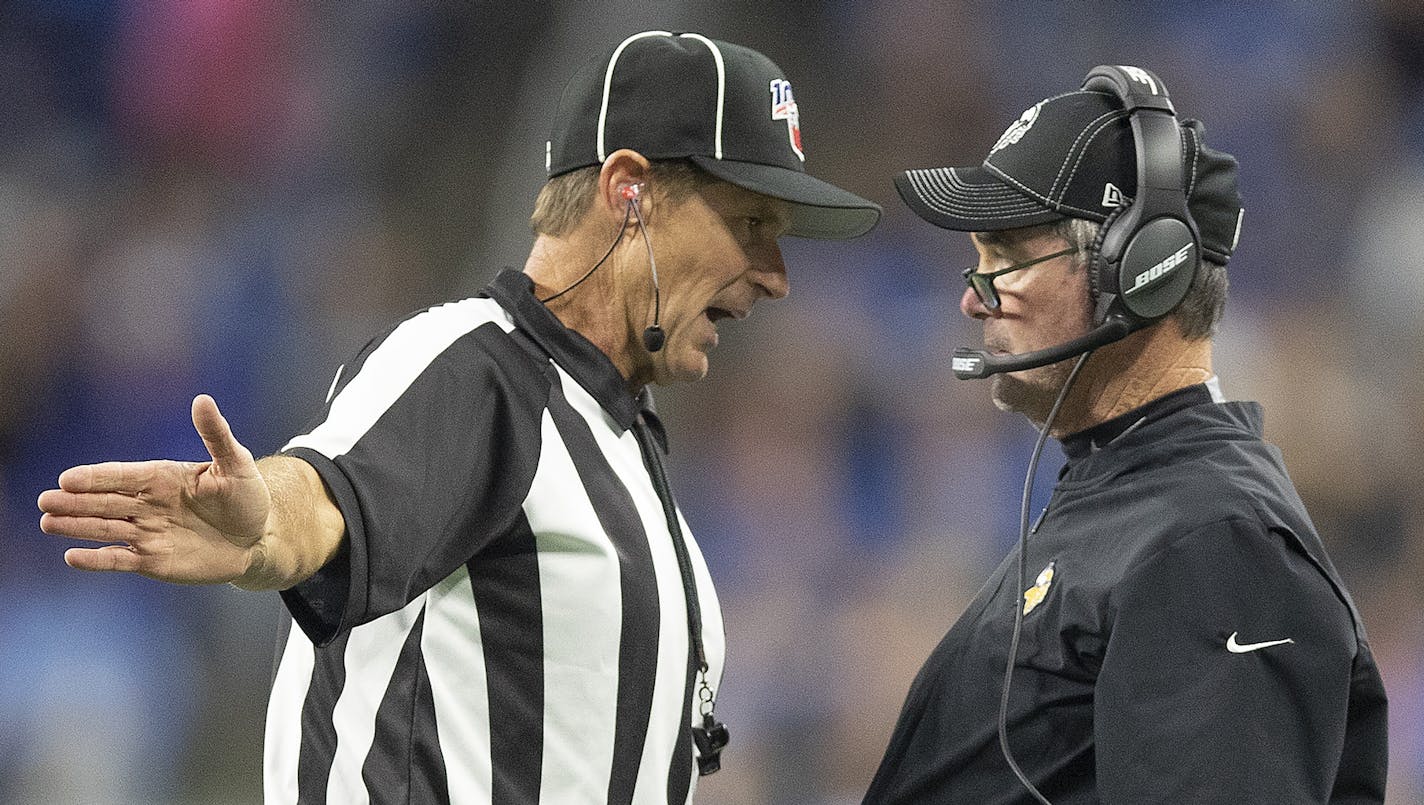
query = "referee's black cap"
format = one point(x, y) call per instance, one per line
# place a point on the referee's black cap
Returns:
point(726, 108)
point(1073, 156)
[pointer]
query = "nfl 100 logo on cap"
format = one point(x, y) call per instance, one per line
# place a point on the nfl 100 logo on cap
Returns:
point(783, 107)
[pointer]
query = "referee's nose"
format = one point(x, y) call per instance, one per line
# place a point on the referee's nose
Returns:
point(769, 273)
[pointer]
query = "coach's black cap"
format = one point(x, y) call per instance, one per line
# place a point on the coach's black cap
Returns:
point(725, 107)
point(1072, 156)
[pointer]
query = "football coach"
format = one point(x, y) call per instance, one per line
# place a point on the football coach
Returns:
point(1170, 630)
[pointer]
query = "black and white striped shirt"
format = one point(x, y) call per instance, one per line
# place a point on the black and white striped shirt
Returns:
point(506, 621)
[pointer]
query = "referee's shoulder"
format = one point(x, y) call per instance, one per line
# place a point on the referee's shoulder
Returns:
point(473, 338)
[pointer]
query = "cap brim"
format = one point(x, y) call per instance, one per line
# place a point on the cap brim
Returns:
point(969, 200)
point(818, 209)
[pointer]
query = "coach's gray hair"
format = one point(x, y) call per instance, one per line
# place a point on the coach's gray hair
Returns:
point(1205, 302)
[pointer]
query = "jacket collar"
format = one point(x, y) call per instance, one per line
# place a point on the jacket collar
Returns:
point(1087, 442)
point(585, 363)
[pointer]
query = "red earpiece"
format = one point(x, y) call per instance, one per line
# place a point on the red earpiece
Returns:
point(630, 191)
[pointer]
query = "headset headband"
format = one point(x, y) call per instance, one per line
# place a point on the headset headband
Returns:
point(1150, 250)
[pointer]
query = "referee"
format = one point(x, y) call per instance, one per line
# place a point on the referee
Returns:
point(1170, 630)
point(496, 599)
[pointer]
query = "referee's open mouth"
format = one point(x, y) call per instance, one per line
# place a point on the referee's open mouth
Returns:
point(716, 314)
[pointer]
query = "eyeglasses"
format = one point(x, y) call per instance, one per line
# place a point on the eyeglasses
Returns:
point(983, 284)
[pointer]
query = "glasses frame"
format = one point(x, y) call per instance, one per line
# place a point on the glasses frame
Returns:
point(983, 284)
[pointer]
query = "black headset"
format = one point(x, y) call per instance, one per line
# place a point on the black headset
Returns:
point(1148, 252)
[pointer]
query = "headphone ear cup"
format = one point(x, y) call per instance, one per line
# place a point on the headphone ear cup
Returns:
point(1157, 268)
point(1099, 269)
point(1154, 273)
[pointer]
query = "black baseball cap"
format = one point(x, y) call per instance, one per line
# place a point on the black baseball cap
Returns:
point(725, 107)
point(1073, 156)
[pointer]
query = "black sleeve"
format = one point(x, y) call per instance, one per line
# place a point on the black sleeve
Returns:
point(429, 458)
point(1227, 674)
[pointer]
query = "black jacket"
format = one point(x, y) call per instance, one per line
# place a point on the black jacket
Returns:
point(1192, 644)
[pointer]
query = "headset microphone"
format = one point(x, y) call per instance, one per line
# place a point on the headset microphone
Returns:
point(973, 363)
point(653, 336)
point(1147, 252)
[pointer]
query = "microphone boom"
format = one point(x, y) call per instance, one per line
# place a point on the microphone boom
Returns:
point(970, 363)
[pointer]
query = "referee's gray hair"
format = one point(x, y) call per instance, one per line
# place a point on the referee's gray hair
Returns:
point(1199, 312)
point(565, 198)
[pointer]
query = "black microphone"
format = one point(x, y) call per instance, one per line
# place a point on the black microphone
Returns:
point(973, 363)
point(653, 336)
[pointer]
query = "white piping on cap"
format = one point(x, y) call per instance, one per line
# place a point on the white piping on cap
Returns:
point(721, 83)
point(608, 81)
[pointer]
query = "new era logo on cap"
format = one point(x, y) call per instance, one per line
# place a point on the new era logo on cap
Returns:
point(726, 108)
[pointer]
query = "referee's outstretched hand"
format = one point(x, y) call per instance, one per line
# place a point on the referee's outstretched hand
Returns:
point(176, 521)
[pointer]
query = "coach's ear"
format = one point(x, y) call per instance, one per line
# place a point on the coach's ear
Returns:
point(624, 178)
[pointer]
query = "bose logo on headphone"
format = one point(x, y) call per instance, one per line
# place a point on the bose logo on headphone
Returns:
point(1172, 261)
point(964, 363)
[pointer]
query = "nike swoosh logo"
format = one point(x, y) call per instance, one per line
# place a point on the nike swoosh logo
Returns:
point(1241, 648)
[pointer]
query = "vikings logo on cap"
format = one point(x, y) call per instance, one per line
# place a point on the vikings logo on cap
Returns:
point(783, 107)
point(1018, 128)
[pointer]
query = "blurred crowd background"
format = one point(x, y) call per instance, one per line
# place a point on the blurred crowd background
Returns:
point(231, 196)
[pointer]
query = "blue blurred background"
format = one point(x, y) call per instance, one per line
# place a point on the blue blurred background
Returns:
point(230, 196)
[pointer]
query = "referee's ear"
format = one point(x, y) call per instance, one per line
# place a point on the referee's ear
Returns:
point(623, 180)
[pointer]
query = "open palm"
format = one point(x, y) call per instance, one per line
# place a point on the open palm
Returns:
point(184, 522)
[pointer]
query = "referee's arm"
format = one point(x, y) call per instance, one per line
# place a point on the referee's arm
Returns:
point(305, 528)
point(1227, 674)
